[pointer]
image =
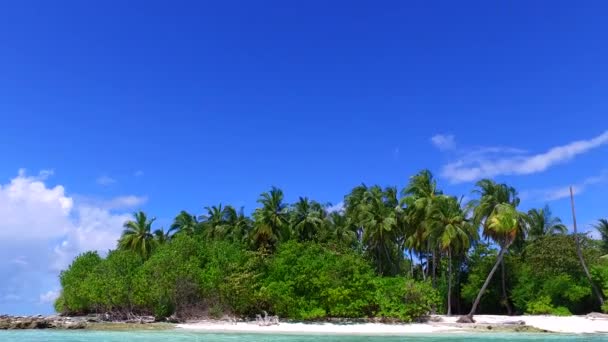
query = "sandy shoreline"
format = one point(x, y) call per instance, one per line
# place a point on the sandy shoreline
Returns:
point(439, 324)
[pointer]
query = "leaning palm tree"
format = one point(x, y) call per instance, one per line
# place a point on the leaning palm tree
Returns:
point(491, 195)
point(502, 227)
point(451, 232)
point(541, 223)
point(137, 235)
point(271, 221)
point(602, 227)
point(185, 223)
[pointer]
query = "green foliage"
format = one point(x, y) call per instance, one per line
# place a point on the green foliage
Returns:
point(301, 261)
point(481, 260)
point(404, 299)
point(542, 306)
point(76, 296)
point(551, 278)
point(307, 281)
point(172, 278)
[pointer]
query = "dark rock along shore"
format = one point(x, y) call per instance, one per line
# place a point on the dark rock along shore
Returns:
point(41, 322)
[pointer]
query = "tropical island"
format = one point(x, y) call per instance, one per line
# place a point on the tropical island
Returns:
point(385, 255)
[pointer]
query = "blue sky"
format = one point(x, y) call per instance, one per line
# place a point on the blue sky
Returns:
point(111, 107)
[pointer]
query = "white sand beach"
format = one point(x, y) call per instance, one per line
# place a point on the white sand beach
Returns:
point(439, 324)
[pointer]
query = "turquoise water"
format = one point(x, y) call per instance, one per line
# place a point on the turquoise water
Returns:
point(167, 336)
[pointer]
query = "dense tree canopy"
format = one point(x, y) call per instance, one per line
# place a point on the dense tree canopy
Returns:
point(397, 255)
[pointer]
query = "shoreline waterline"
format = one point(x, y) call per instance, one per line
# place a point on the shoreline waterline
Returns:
point(438, 325)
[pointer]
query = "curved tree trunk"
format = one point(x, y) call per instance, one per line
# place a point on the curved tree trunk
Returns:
point(469, 318)
point(505, 298)
point(579, 252)
point(449, 283)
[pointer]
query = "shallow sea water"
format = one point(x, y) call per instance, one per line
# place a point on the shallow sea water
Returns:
point(166, 336)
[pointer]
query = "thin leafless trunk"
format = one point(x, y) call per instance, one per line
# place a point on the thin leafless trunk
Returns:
point(580, 252)
point(505, 298)
point(449, 282)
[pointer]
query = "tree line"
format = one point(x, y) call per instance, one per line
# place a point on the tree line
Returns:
point(387, 253)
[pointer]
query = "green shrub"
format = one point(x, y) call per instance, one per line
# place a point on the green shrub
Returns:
point(77, 293)
point(404, 299)
point(309, 281)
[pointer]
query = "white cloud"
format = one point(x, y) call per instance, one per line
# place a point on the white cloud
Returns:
point(486, 163)
point(443, 142)
point(20, 260)
point(49, 297)
point(11, 297)
point(105, 180)
point(556, 193)
point(339, 207)
point(125, 202)
point(42, 229)
point(116, 203)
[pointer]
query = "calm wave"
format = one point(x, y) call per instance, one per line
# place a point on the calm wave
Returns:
point(93, 336)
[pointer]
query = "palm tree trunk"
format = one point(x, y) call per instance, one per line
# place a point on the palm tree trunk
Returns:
point(449, 283)
point(422, 267)
point(505, 298)
point(580, 253)
point(411, 264)
point(434, 270)
point(501, 255)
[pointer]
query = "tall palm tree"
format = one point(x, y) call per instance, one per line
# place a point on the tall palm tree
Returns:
point(451, 232)
point(502, 227)
point(352, 208)
point(602, 227)
point(307, 219)
point(540, 223)
point(185, 223)
point(491, 196)
point(378, 219)
point(137, 235)
point(271, 221)
point(419, 198)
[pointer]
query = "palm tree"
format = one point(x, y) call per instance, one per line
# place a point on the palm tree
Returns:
point(161, 237)
point(307, 219)
point(451, 232)
point(602, 227)
point(137, 235)
point(214, 222)
point(339, 229)
point(238, 224)
point(379, 222)
point(419, 199)
point(185, 223)
point(502, 226)
point(270, 221)
point(540, 223)
point(492, 195)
